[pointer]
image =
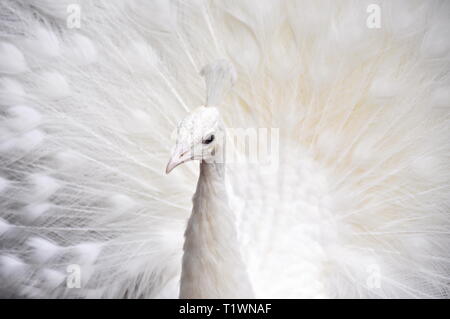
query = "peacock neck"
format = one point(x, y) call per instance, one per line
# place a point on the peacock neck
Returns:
point(212, 265)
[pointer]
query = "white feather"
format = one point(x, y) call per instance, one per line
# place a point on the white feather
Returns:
point(32, 212)
point(11, 91)
point(12, 60)
point(42, 250)
point(4, 226)
point(29, 140)
point(25, 142)
point(441, 97)
point(3, 184)
point(52, 278)
point(23, 118)
point(67, 161)
point(42, 43)
point(121, 203)
point(42, 187)
point(87, 252)
point(53, 85)
point(81, 50)
point(57, 9)
point(11, 266)
point(436, 44)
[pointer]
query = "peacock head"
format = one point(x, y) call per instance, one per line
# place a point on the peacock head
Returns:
point(199, 137)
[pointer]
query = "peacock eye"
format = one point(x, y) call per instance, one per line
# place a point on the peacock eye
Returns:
point(209, 139)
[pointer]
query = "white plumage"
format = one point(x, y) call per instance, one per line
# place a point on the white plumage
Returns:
point(358, 205)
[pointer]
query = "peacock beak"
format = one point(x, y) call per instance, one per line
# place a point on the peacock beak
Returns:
point(179, 156)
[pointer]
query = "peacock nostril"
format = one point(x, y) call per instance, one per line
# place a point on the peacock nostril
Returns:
point(178, 157)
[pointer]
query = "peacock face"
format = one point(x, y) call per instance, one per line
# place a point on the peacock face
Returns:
point(197, 137)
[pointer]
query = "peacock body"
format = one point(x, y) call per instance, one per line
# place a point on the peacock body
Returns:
point(355, 202)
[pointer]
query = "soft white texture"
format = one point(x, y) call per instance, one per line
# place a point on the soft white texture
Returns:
point(363, 182)
point(41, 43)
point(12, 60)
point(11, 91)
